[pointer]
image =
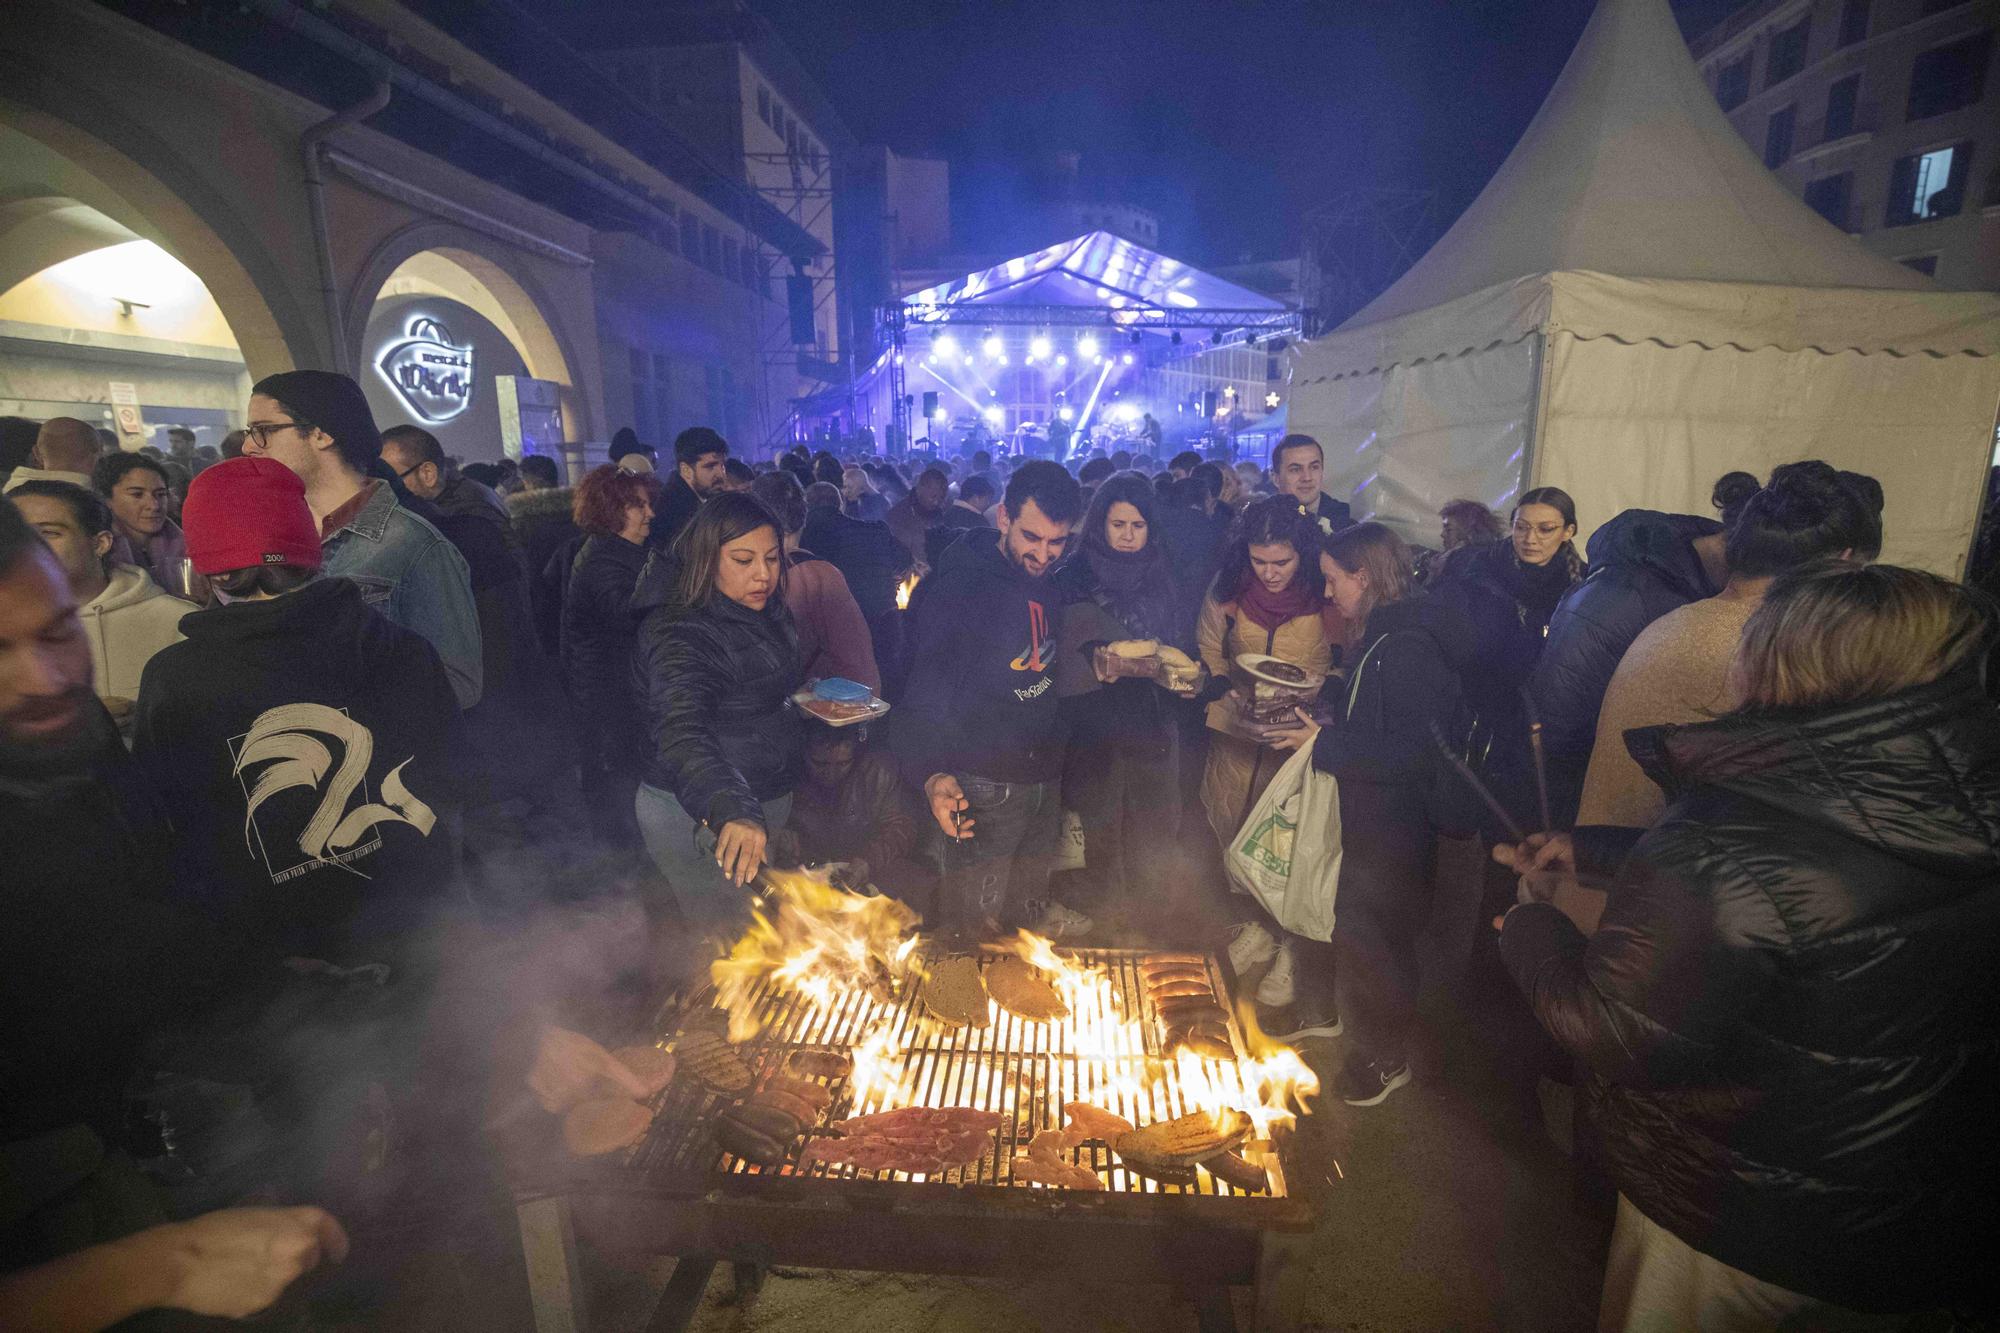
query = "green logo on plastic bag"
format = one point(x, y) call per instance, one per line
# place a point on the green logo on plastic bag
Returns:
point(1269, 843)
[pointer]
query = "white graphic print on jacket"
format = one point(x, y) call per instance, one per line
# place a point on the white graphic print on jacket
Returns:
point(286, 740)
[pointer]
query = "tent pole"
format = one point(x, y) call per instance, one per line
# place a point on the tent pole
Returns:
point(1531, 448)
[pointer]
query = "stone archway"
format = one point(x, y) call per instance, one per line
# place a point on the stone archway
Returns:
point(439, 259)
point(149, 192)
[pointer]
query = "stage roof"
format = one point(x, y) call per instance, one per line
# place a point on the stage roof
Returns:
point(1098, 279)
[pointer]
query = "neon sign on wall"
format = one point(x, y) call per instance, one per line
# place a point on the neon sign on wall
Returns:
point(429, 372)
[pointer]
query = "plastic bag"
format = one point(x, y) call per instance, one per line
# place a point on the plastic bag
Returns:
point(1287, 854)
point(1069, 845)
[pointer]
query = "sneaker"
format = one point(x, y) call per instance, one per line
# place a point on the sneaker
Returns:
point(1250, 945)
point(1058, 921)
point(1363, 1082)
point(1275, 991)
point(1306, 1019)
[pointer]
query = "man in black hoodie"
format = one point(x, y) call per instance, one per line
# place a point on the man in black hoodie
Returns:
point(978, 729)
point(701, 457)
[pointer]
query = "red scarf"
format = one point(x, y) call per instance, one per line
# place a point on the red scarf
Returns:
point(1271, 610)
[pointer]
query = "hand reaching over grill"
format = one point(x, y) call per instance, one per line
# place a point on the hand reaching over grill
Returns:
point(568, 1067)
point(948, 805)
point(740, 850)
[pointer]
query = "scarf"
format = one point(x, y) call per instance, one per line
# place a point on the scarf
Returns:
point(1134, 586)
point(1270, 610)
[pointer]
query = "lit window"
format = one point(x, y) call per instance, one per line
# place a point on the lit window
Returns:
point(1929, 185)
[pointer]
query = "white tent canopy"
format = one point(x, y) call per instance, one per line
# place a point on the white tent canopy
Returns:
point(1632, 307)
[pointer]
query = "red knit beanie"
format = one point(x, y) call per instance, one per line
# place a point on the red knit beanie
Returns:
point(243, 513)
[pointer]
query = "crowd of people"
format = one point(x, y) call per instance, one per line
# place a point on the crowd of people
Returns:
point(275, 724)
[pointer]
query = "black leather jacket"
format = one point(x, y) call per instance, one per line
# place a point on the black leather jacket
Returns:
point(713, 682)
point(599, 628)
point(1788, 1012)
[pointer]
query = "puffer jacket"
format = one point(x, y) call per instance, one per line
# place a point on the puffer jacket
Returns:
point(1642, 565)
point(712, 682)
point(1788, 1009)
point(599, 627)
point(1238, 769)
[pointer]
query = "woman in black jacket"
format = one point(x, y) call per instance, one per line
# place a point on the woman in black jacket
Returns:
point(1379, 747)
point(1786, 1010)
point(614, 509)
point(1122, 774)
point(717, 659)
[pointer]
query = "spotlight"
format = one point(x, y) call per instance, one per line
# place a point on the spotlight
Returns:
point(1040, 347)
point(1126, 358)
point(1000, 360)
point(1087, 345)
point(1126, 412)
point(1097, 360)
point(996, 415)
point(930, 360)
point(993, 347)
point(1062, 358)
point(942, 414)
point(945, 346)
point(1066, 413)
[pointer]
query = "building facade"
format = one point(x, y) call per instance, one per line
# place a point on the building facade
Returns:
point(351, 186)
point(1883, 115)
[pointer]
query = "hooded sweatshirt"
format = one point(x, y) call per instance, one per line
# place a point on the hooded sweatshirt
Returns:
point(304, 747)
point(128, 622)
point(981, 697)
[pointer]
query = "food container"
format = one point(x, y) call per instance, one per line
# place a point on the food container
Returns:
point(1275, 687)
point(839, 712)
point(1117, 666)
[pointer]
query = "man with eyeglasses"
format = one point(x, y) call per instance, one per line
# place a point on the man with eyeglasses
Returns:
point(317, 423)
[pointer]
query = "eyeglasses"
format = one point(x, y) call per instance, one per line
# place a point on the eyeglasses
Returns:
point(263, 431)
point(404, 475)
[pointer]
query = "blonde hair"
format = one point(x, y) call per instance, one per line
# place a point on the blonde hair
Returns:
point(1382, 554)
point(1838, 633)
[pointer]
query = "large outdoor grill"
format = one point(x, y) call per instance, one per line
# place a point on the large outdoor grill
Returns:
point(678, 1192)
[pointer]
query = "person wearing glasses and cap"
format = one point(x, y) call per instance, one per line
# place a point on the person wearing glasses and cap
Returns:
point(317, 424)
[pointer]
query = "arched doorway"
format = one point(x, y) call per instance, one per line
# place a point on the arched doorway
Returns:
point(112, 298)
point(450, 339)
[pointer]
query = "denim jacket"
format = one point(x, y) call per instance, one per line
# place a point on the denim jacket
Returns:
point(412, 575)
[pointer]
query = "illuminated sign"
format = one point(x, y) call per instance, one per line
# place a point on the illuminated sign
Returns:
point(429, 372)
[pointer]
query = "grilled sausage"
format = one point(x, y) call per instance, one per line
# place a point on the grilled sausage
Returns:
point(794, 1106)
point(749, 1143)
point(1152, 973)
point(1204, 1042)
point(770, 1121)
point(819, 1064)
point(1179, 990)
point(815, 1095)
point(1237, 1171)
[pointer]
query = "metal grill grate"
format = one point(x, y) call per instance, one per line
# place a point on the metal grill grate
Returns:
point(1023, 1070)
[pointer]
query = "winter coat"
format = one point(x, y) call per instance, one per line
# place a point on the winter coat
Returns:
point(599, 631)
point(712, 684)
point(1642, 565)
point(1509, 605)
point(543, 523)
point(867, 555)
point(981, 697)
point(92, 962)
point(1129, 719)
point(127, 623)
point(306, 748)
point(866, 819)
point(1787, 1012)
point(675, 508)
point(1677, 670)
point(954, 521)
point(833, 636)
point(1239, 769)
point(1194, 543)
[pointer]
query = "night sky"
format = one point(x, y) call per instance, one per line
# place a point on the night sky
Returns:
point(1230, 118)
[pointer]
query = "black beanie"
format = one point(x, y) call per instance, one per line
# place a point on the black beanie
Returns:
point(335, 404)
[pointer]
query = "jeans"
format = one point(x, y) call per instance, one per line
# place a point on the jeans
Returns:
point(684, 850)
point(1004, 865)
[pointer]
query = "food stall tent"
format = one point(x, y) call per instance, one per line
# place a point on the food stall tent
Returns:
point(1634, 306)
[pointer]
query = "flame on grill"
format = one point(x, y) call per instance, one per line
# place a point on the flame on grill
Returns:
point(826, 944)
point(904, 589)
point(817, 940)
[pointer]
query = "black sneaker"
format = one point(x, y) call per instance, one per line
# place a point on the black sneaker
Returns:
point(1305, 1019)
point(1363, 1082)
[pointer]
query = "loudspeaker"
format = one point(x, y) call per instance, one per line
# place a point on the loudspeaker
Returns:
point(1209, 402)
point(799, 297)
point(930, 406)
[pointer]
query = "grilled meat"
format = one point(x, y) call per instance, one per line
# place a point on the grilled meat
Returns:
point(1239, 1172)
point(819, 1064)
point(1094, 1122)
point(708, 1055)
point(1183, 1142)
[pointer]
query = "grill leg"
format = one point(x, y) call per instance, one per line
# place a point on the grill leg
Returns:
point(1284, 1261)
point(682, 1294)
point(555, 1281)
